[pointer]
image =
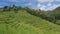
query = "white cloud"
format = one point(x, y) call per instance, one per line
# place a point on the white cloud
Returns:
point(49, 6)
point(45, 0)
point(29, 3)
point(12, 0)
point(15, 0)
point(40, 6)
point(57, 0)
point(43, 8)
point(54, 6)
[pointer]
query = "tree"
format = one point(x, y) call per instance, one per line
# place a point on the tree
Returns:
point(5, 8)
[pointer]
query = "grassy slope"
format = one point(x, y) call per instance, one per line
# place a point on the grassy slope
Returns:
point(22, 29)
point(44, 26)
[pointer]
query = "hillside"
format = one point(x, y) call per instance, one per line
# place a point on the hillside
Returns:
point(28, 24)
point(22, 29)
point(55, 14)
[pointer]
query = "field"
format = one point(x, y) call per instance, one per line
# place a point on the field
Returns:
point(25, 23)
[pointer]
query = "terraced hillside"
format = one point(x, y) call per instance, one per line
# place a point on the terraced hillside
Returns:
point(25, 23)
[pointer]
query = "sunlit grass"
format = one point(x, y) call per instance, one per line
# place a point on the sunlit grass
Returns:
point(25, 23)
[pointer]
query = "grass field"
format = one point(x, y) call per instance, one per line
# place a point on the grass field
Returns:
point(25, 23)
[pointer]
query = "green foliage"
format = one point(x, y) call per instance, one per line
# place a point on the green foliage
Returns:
point(28, 21)
point(11, 8)
point(51, 16)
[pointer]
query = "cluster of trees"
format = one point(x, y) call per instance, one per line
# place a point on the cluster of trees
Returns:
point(51, 16)
point(11, 8)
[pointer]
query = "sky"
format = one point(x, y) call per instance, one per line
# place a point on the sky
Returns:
point(35, 4)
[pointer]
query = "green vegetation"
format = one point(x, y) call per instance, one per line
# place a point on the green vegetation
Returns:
point(18, 20)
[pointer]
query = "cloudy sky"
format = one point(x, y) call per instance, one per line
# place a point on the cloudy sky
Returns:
point(36, 4)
